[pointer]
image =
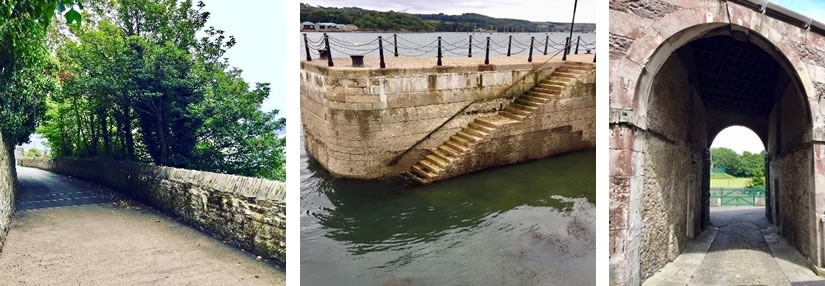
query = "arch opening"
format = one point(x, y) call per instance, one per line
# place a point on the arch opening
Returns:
point(697, 83)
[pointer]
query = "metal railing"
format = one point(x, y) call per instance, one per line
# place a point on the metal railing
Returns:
point(737, 196)
point(324, 47)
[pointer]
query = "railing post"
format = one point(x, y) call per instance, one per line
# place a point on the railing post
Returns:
point(329, 50)
point(509, 44)
point(566, 46)
point(546, 42)
point(306, 46)
point(439, 51)
point(381, 51)
point(579, 39)
point(395, 43)
point(487, 56)
point(594, 57)
point(530, 58)
point(470, 53)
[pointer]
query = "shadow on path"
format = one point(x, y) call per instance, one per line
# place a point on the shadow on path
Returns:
point(741, 248)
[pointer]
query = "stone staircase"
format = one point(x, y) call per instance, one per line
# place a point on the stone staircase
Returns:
point(434, 165)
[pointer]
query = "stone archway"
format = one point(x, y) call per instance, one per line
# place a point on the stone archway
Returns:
point(654, 164)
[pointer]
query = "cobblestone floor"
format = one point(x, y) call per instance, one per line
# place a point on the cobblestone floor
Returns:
point(742, 248)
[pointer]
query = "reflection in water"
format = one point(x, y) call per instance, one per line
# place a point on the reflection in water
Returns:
point(529, 223)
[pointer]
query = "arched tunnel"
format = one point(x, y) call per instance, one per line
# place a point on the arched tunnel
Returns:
point(696, 84)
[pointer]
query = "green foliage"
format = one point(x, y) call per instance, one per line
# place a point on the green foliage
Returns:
point(745, 165)
point(27, 76)
point(139, 85)
point(34, 153)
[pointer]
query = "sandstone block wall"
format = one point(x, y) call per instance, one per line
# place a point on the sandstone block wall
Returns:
point(565, 124)
point(8, 187)
point(247, 212)
point(356, 121)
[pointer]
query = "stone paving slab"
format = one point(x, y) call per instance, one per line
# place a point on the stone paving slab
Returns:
point(116, 243)
point(741, 249)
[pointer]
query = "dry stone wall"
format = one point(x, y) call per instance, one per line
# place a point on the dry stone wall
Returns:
point(247, 212)
point(8, 187)
point(356, 121)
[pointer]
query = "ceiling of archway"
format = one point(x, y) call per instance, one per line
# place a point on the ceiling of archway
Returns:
point(734, 76)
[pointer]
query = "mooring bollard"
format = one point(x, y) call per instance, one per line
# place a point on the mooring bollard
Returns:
point(357, 60)
point(487, 56)
point(395, 43)
point(306, 46)
point(579, 39)
point(546, 42)
point(530, 58)
point(381, 51)
point(470, 53)
point(509, 44)
point(566, 48)
point(329, 51)
point(439, 51)
point(594, 57)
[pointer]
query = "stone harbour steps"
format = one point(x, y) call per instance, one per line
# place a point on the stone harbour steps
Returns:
point(434, 165)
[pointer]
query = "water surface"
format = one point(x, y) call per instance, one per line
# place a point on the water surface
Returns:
point(530, 223)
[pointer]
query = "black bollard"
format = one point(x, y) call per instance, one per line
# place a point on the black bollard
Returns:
point(381, 51)
point(566, 46)
point(306, 46)
point(509, 44)
point(329, 50)
point(487, 56)
point(530, 58)
point(546, 42)
point(439, 51)
point(470, 53)
point(579, 39)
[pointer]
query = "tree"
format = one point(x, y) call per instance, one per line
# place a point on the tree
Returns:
point(27, 76)
point(139, 85)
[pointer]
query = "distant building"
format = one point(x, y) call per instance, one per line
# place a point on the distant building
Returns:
point(327, 27)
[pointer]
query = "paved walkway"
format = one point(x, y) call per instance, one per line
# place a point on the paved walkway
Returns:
point(742, 248)
point(70, 232)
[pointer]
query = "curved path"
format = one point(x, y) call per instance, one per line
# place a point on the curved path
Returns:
point(69, 232)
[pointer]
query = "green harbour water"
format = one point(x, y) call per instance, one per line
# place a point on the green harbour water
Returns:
point(531, 223)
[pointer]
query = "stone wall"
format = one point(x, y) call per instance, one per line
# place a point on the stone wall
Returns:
point(644, 35)
point(791, 180)
point(356, 121)
point(246, 212)
point(8, 187)
point(564, 124)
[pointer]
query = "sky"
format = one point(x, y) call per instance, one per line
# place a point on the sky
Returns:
point(811, 8)
point(532, 10)
point(260, 35)
point(739, 139)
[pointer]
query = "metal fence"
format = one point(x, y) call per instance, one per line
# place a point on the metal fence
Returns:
point(738, 196)
point(327, 46)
